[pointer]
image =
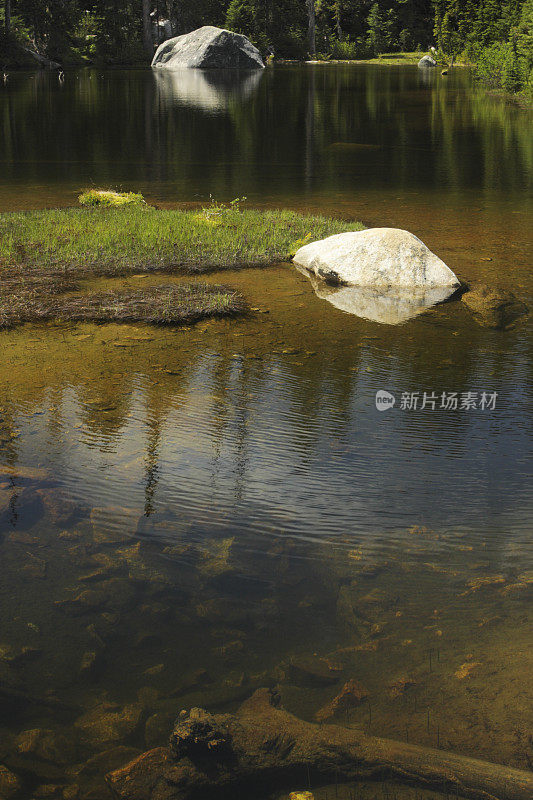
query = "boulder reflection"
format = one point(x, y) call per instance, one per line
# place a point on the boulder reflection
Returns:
point(387, 305)
point(210, 90)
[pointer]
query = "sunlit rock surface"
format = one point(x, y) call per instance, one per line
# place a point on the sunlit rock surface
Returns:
point(375, 257)
point(214, 91)
point(387, 305)
point(208, 48)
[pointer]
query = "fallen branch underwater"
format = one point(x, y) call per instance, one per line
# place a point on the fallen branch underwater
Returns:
point(262, 742)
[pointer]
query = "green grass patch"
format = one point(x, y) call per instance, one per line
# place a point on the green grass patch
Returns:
point(395, 59)
point(120, 241)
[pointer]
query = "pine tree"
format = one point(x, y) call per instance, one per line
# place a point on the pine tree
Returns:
point(378, 30)
point(7, 16)
point(311, 27)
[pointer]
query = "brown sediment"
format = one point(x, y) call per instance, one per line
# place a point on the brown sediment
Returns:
point(212, 753)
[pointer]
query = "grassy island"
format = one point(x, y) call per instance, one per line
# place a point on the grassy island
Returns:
point(44, 255)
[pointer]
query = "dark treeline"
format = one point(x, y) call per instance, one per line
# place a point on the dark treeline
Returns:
point(496, 35)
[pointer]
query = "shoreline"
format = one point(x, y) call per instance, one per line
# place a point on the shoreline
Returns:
point(520, 100)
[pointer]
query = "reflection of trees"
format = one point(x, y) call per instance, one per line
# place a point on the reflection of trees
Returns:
point(105, 402)
point(310, 124)
point(481, 142)
point(299, 131)
point(153, 444)
point(232, 381)
point(226, 401)
point(233, 135)
point(8, 448)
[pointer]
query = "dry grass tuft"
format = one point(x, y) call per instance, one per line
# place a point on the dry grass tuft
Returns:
point(44, 298)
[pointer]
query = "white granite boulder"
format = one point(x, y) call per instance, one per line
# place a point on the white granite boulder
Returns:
point(208, 48)
point(376, 257)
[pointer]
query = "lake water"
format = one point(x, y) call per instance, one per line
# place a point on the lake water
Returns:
point(187, 512)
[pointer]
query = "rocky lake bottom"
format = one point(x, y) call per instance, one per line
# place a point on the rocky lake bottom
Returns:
point(121, 624)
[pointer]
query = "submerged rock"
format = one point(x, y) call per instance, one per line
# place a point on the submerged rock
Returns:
point(108, 760)
point(483, 583)
point(346, 612)
point(59, 507)
point(50, 791)
point(9, 681)
point(109, 723)
point(351, 695)
point(376, 257)
point(30, 474)
point(88, 663)
point(140, 568)
point(46, 745)
point(217, 563)
point(36, 568)
point(208, 48)
point(114, 525)
point(312, 671)
point(493, 307)
point(115, 594)
point(195, 681)
point(466, 670)
point(427, 62)
point(5, 498)
point(18, 655)
point(10, 783)
point(197, 733)
point(399, 687)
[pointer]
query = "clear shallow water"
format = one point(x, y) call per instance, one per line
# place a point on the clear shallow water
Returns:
point(237, 498)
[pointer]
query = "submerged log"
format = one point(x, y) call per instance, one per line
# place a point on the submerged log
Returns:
point(262, 743)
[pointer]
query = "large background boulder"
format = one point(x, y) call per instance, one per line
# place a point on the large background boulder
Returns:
point(208, 48)
point(375, 257)
point(427, 61)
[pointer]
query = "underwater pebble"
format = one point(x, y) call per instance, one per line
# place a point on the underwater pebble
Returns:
point(10, 784)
